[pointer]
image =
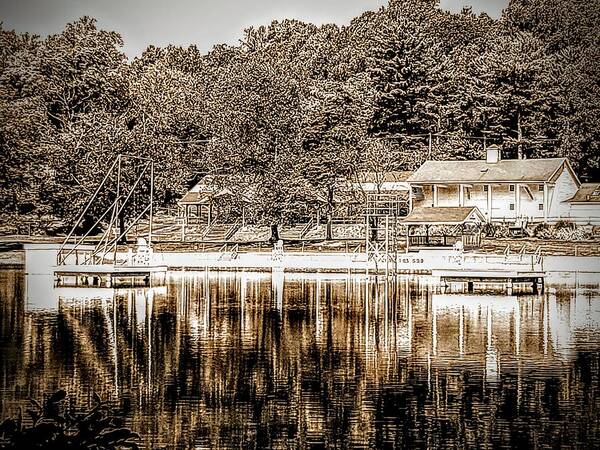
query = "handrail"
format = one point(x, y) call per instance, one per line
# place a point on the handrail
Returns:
point(306, 228)
point(207, 230)
point(60, 260)
point(538, 254)
point(522, 251)
point(234, 228)
point(90, 202)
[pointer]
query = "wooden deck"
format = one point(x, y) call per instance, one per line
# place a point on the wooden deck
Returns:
point(109, 276)
point(504, 279)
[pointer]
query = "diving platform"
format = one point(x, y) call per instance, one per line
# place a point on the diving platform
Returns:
point(106, 275)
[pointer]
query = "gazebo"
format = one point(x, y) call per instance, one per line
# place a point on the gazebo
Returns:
point(465, 220)
point(198, 204)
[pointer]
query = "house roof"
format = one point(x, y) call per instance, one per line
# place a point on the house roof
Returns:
point(191, 198)
point(447, 215)
point(480, 171)
point(587, 193)
point(203, 198)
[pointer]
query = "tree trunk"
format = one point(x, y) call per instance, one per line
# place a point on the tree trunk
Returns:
point(274, 233)
point(123, 240)
point(519, 137)
point(329, 233)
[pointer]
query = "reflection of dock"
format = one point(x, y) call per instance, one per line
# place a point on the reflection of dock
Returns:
point(107, 275)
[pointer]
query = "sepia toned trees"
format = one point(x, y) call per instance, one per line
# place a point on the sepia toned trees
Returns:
point(295, 107)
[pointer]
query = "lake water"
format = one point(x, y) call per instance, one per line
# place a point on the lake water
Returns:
point(242, 360)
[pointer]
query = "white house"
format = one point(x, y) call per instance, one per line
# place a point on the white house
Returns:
point(503, 190)
point(584, 206)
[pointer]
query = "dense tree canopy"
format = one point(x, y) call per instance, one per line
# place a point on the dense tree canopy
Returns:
point(294, 107)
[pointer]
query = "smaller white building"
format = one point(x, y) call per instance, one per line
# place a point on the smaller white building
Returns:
point(584, 206)
point(512, 190)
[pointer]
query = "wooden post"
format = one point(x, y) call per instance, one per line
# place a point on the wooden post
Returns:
point(387, 259)
point(489, 202)
point(545, 202)
point(151, 202)
point(435, 195)
point(461, 195)
point(517, 199)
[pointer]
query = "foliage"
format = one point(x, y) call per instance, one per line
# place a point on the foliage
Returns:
point(54, 426)
point(295, 107)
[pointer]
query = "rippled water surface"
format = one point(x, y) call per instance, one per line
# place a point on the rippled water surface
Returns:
point(240, 360)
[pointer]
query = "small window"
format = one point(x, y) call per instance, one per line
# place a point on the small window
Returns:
point(511, 188)
point(468, 192)
point(512, 206)
point(541, 206)
point(485, 188)
point(540, 187)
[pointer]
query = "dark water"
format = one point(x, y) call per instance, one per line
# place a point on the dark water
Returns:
point(247, 361)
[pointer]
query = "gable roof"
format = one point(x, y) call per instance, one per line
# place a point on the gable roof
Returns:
point(587, 193)
point(446, 215)
point(480, 171)
point(204, 198)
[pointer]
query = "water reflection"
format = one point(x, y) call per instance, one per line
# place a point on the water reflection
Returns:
point(254, 360)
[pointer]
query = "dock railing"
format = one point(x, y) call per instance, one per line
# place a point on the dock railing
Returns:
point(518, 262)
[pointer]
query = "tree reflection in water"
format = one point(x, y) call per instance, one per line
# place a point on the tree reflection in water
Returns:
point(250, 360)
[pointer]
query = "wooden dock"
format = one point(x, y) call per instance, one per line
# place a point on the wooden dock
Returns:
point(506, 280)
point(109, 276)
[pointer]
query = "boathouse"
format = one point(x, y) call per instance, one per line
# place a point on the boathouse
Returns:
point(443, 227)
point(504, 190)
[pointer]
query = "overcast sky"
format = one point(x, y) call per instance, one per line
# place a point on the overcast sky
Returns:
point(185, 22)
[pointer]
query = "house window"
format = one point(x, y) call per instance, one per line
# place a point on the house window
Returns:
point(511, 187)
point(485, 188)
point(541, 206)
point(512, 206)
point(468, 192)
point(540, 187)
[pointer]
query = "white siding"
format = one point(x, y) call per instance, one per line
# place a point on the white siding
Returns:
point(585, 213)
point(448, 196)
point(564, 189)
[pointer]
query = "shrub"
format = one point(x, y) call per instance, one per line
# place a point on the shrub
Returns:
point(55, 428)
point(496, 231)
point(544, 231)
